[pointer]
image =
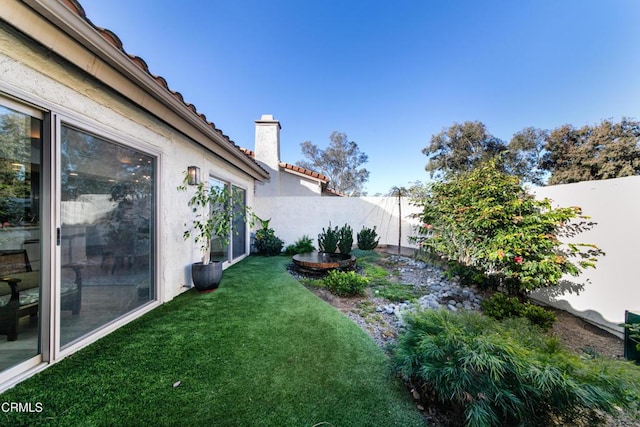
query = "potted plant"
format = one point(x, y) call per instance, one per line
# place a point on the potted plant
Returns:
point(213, 215)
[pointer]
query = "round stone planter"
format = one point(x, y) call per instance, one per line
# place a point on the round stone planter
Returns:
point(206, 278)
point(319, 262)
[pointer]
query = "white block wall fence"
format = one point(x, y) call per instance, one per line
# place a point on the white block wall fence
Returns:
point(293, 217)
point(613, 286)
point(606, 292)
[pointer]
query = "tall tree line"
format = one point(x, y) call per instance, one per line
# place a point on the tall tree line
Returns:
point(563, 155)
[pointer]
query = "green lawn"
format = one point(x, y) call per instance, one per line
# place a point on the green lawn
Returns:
point(260, 351)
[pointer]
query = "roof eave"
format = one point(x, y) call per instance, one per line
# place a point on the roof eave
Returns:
point(80, 29)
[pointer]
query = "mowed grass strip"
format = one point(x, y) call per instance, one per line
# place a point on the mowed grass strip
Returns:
point(260, 351)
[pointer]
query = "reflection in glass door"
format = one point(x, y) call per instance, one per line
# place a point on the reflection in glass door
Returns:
point(107, 219)
point(239, 240)
point(219, 244)
point(20, 234)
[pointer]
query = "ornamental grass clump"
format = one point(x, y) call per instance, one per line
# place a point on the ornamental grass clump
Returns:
point(302, 246)
point(485, 220)
point(495, 373)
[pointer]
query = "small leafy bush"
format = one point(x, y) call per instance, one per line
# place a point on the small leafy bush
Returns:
point(496, 373)
point(500, 306)
point(345, 283)
point(345, 239)
point(267, 243)
point(367, 238)
point(539, 316)
point(328, 239)
point(302, 246)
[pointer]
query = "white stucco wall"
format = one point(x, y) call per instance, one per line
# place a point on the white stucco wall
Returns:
point(32, 75)
point(607, 291)
point(293, 217)
point(613, 286)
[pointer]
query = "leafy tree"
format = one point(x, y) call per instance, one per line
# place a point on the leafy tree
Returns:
point(460, 148)
point(340, 162)
point(607, 150)
point(485, 220)
point(524, 155)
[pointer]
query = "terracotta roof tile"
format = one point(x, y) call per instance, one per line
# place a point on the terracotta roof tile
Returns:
point(333, 192)
point(114, 40)
point(322, 178)
point(304, 171)
point(248, 152)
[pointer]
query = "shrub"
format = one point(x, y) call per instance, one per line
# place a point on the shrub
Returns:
point(345, 239)
point(328, 239)
point(500, 306)
point(266, 241)
point(506, 373)
point(367, 239)
point(302, 246)
point(345, 283)
point(539, 316)
point(485, 219)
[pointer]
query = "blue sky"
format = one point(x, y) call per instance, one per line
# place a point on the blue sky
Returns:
point(389, 74)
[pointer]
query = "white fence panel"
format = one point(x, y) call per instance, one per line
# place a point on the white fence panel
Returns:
point(599, 295)
point(293, 217)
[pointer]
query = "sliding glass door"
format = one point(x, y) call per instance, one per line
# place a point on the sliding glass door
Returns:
point(106, 236)
point(233, 246)
point(20, 233)
point(239, 238)
point(77, 233)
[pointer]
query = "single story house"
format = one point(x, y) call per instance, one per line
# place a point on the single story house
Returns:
point(92, 149)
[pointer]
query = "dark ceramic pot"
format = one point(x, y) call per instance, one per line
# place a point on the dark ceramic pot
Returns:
point(206, 277)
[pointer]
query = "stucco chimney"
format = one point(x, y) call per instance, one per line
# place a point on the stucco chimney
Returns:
point(267, 147)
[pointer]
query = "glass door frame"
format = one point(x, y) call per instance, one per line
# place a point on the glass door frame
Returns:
point(52, 116)
point(58, 121)
point(43, 350)
point(230, 185)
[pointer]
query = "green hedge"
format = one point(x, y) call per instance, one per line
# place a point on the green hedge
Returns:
point(506, 373)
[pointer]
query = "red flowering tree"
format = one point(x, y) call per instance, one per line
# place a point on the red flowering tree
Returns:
point(485, 220)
